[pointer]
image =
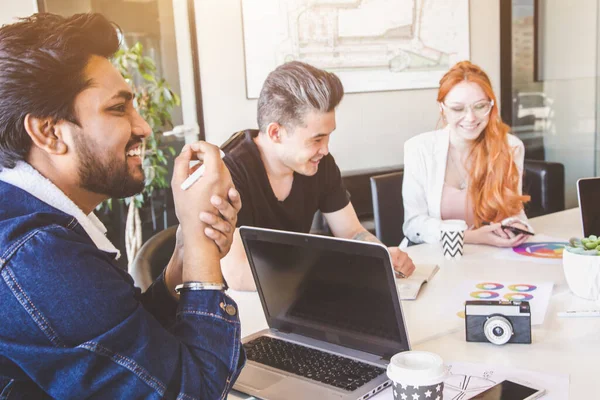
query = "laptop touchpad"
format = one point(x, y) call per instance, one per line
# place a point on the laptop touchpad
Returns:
point(258, 378)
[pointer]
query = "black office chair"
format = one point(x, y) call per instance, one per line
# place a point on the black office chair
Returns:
point(388, 208)
point(153, 257)
point(233, 141)
point(544, 181)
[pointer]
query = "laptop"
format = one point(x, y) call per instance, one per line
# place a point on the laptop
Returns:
point(334, 317)
point(588, 194)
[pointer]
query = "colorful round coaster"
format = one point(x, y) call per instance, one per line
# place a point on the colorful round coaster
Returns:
point(489, 286)
point(522, 287)
point(541, 250)
point(484, 294)
point(518, 296)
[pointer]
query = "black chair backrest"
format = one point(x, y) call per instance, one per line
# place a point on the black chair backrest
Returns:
point(153, 257)
point(388, 208)
point(233, 141)
point(544, 181)
point(357, 182)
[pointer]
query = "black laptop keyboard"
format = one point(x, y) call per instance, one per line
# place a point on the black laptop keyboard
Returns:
point(317, 365)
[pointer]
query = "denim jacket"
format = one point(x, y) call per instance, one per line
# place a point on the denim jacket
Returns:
point(73, 326)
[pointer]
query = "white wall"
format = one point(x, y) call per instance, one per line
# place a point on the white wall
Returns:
point(12, 9)
point(186, 67)
point(569, 62)
point(371, 127)
point(569, 39)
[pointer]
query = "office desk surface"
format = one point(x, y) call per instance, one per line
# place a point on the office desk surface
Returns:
point(560, 345)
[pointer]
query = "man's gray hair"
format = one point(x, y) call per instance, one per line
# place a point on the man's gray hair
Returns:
point(294, 89)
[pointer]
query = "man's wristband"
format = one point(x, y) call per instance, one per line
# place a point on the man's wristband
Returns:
point(188, 286)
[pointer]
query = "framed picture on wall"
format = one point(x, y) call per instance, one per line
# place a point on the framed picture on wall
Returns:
point(372, 45)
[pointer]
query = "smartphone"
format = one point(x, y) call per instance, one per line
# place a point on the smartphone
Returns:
point(516, 230)
point(511, 390)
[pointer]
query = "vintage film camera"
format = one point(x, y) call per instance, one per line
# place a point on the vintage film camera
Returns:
point(498, 322)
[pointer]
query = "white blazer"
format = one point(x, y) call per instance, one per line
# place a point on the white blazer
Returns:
point(425, 158)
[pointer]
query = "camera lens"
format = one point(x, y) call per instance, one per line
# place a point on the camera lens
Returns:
point(498, 330)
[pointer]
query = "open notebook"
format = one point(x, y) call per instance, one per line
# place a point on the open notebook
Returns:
point(409, 287)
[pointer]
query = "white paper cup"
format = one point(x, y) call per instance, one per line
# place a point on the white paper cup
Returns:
point(417, 374)
point(453, 238)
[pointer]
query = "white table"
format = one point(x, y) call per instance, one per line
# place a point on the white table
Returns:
point(560, 345)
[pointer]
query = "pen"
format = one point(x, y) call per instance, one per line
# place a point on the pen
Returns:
point(579, 313)
point(196, 175)
point(400, 274)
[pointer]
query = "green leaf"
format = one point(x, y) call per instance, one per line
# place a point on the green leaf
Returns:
point(147, 76)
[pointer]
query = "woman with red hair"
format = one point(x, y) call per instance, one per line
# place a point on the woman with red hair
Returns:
point(471, 169)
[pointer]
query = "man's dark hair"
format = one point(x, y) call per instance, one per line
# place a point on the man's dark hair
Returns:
point(294, 89)
point(42, 62)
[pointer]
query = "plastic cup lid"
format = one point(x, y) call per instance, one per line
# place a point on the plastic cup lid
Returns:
point(454, 225)
point(417, 368)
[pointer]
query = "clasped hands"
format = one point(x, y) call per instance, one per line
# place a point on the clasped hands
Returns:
point(494, 235)
point(209, 207)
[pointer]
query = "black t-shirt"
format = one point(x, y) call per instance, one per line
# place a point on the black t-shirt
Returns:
point(260, 207)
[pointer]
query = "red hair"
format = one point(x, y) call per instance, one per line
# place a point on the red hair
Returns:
point(494, 177)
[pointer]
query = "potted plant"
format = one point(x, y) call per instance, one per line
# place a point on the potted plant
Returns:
point(581, 264)
point(154, 100)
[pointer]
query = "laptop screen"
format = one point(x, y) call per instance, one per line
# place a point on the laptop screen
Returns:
point(588, 193)
point(335, 290)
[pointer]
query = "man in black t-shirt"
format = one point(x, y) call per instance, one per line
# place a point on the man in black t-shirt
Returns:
point(284, 172)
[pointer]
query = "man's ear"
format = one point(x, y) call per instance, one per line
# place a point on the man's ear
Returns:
point(274, 132)
point(45, 134)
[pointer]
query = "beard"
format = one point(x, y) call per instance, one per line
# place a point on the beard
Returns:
point(109, 177)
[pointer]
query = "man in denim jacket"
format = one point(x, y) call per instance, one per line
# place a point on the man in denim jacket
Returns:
point(72, 325)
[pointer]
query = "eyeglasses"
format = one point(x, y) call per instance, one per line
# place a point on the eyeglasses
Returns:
point(479, 109)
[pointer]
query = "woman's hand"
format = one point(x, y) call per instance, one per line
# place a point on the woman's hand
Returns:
point(494, 235)
point(518, 224)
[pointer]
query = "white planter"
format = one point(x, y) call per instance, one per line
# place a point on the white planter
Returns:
point(582, 273)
